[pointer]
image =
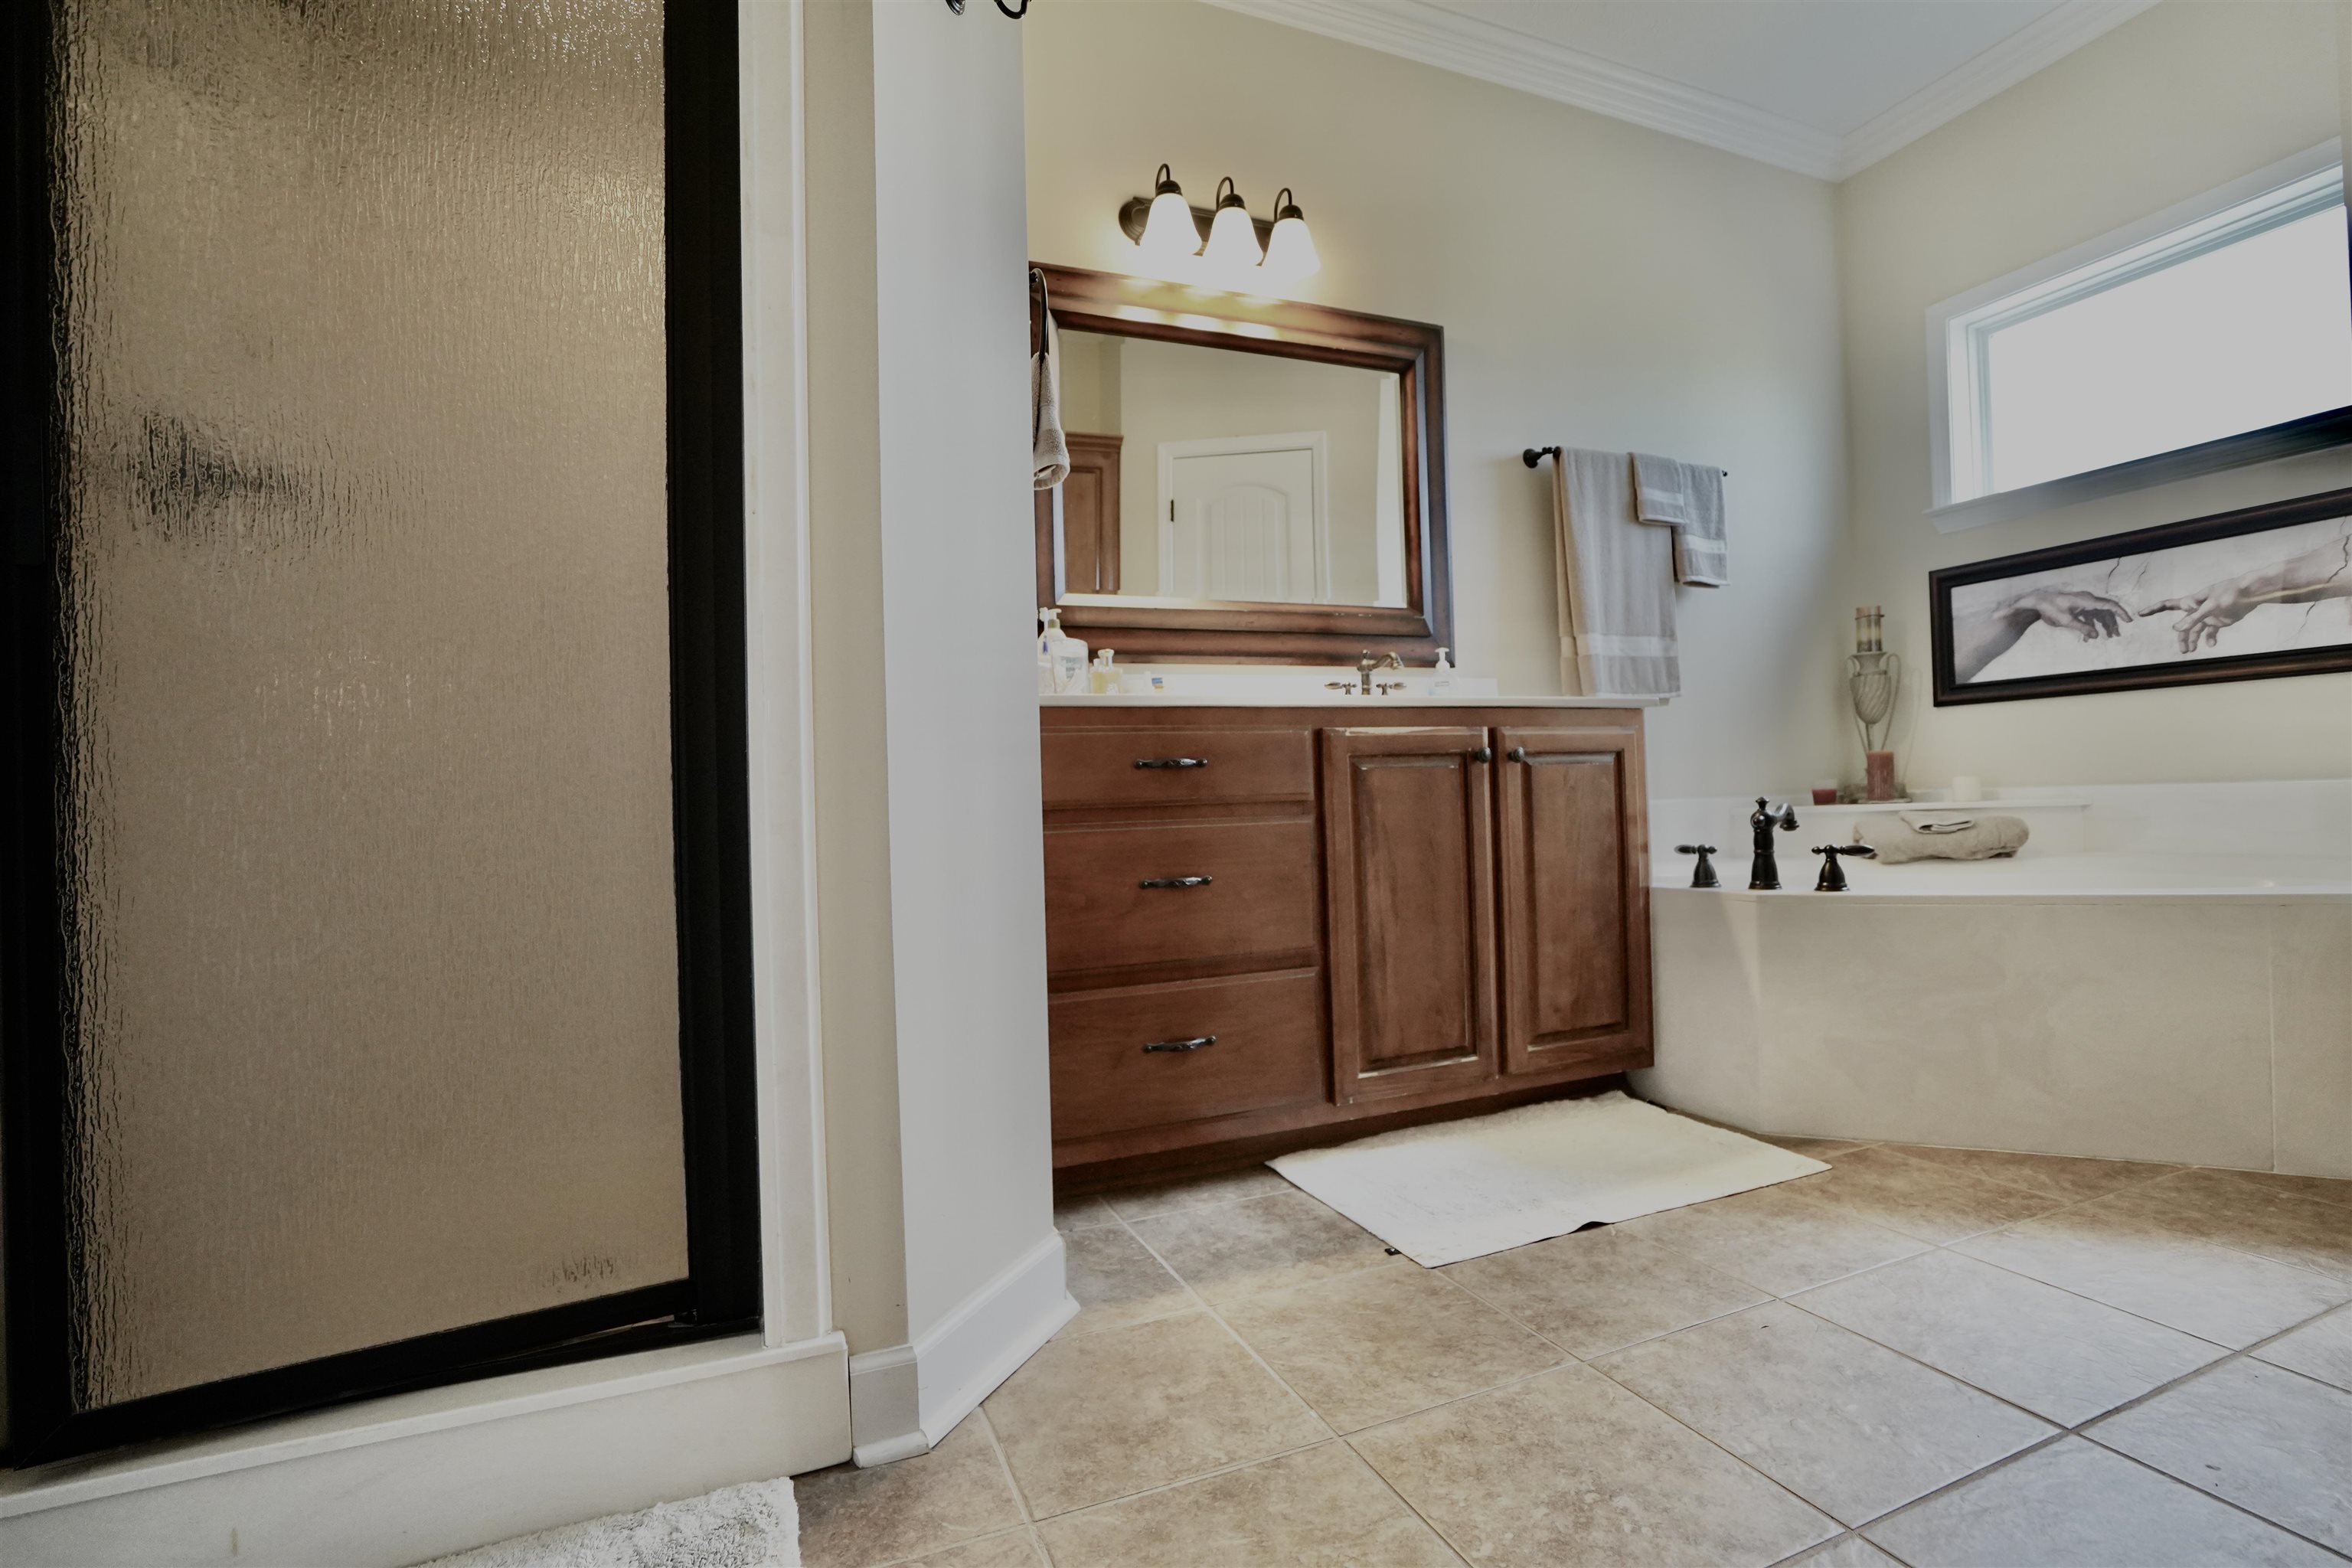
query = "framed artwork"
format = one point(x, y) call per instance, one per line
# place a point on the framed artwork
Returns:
point(2239, 595)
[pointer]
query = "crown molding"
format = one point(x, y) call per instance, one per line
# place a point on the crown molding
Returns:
point(1474, 47)
point(2042, 42)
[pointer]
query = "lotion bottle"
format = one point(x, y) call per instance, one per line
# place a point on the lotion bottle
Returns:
point(1441, 678)
point(1068, 655)
point(1105, 678)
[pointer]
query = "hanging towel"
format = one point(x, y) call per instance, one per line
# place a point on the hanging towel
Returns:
point(1049, 452)
point(1688, 498)
point(1615, 581)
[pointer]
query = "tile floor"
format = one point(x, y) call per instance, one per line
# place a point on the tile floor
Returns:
point(1921, 1356)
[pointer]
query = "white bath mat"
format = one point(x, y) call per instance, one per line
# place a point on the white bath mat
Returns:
point(1463, 1189)
point(756, 1525)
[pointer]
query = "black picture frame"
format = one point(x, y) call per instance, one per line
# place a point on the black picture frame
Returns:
point(1949, 690)
point(711, 803)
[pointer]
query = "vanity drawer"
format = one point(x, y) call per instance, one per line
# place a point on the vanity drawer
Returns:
point(1164, 765)
point(1257, 893)
point(1268, 1051)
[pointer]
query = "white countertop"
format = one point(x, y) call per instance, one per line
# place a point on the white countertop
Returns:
point(1339, 700)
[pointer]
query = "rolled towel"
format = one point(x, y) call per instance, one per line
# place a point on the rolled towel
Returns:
point(1924, 836)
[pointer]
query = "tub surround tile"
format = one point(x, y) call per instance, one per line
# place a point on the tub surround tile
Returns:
point(1777, 1239)
point(2311, 1017)
point(1571, 1468)
point(2112, 1250)
point(2268, 1440)
point(2069, 1178)
point(1104, 1415)
point(1272, 1243)
point(2283, 1227)
point(1602, 1290)
point(1116, 1282)
point(1920, 1199)
point(1384, 1342)
point(1195, 1193)
point(1849, 1426)
point(852, 1519)
point(2054, 1352)
point(2320, 1349)
point(1322, 1508)
point(2076, 1505)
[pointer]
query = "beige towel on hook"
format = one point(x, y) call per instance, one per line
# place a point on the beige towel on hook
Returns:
point(1688, 498)
point(1049, 452)
point(1615, 580)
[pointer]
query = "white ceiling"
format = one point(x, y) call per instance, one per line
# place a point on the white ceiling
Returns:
point(1823, 86)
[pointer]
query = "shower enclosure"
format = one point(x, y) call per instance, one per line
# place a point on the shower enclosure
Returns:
point(374, 929)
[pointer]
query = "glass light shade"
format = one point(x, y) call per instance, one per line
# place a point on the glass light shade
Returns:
point(1170, 232)
point(1232, 240)
point(1290, 249)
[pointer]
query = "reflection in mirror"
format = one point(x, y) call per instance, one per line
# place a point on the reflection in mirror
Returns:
point(1201, 473)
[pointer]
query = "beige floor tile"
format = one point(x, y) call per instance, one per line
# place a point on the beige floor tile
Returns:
point(1262, 1244)
point(1849, 1551)
point(2111, 1250)
point(852, 1518)
point(2320, 1349)
point(2075, 1505)
point(1014, 1548)
point(1195, 1192)
point(1601, 1290)
point(2216, 1206)
point(1930, 1202)
point(2061, 1176)
point(2266, 1439)
point(1570, 1469)
point(1777, 1239)
point(2327, 1189)
point(1384, 1342)
point(2054, 1352)
point(1101, 1416)
point(1849, 1426)
point(1320, 1509)
point(1815, 1148)
point(1081, 1214)
point(1116, 1282)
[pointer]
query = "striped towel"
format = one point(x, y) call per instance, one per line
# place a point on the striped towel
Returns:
point(1615, 581)
point(1688, 498)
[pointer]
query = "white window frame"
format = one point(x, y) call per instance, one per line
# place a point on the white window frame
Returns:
point(1959, 330)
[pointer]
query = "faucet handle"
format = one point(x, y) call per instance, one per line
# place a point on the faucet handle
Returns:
point(1703, 873)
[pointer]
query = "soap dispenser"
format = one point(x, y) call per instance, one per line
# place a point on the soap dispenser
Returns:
point(1064, 655)
point(1441, 678)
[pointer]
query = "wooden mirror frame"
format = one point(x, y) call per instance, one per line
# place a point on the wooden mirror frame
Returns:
point(1228, 631)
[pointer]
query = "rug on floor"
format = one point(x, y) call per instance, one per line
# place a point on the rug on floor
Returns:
point(1463, 1189)
point(756, 1525)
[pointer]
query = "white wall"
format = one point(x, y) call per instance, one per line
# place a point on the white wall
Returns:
point(1599, 284)
point(2176, 103)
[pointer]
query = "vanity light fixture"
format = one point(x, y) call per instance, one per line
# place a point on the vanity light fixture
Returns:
point(1233, 238)
point(1290, 249)
point(1169, 233)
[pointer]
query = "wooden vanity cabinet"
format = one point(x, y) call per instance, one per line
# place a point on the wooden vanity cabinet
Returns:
point(1262, 921)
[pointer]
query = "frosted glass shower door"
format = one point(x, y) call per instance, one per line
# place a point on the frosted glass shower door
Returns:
point(369, 920)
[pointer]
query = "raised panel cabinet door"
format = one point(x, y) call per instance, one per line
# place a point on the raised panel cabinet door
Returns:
point(1576, 959)
point(1409, 908)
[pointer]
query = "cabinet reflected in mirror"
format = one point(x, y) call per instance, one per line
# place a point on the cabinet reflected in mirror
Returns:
point(1203, 473)
point(1248, 479)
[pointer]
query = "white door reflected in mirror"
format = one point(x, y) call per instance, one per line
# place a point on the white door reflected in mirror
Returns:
point(1244, 516)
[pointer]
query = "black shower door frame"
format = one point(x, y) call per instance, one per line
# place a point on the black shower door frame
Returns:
point(710, 806)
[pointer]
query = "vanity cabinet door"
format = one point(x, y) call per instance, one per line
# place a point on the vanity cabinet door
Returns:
point(1409, 908)
point(1575, 921)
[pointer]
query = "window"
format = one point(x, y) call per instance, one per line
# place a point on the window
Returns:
point(2201, 332)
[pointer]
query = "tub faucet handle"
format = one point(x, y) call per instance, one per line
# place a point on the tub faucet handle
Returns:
point(1832, 873)
point(1703, 874)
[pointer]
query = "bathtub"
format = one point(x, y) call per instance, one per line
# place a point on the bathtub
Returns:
point(2164, 972)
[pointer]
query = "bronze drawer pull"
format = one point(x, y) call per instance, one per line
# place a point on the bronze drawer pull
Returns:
point(1194, 1044)
point(1171, 762)
point(1482, 755)
point(1175, 881)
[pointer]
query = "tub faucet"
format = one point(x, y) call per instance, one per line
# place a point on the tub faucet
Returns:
point(1766, 871)
point(1832, 873)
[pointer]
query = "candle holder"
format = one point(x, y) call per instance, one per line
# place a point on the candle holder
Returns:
point(1872, 678)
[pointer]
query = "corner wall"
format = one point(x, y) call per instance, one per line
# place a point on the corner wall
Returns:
point(2181, 100)
point(1600, 285)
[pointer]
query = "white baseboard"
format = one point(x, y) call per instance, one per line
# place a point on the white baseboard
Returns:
point(905, 1398)
point(393, 1481)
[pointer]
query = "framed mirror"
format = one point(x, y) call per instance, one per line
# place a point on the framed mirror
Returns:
point(1250, 479)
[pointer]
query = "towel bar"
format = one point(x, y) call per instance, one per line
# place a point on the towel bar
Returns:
point(1531, 456)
